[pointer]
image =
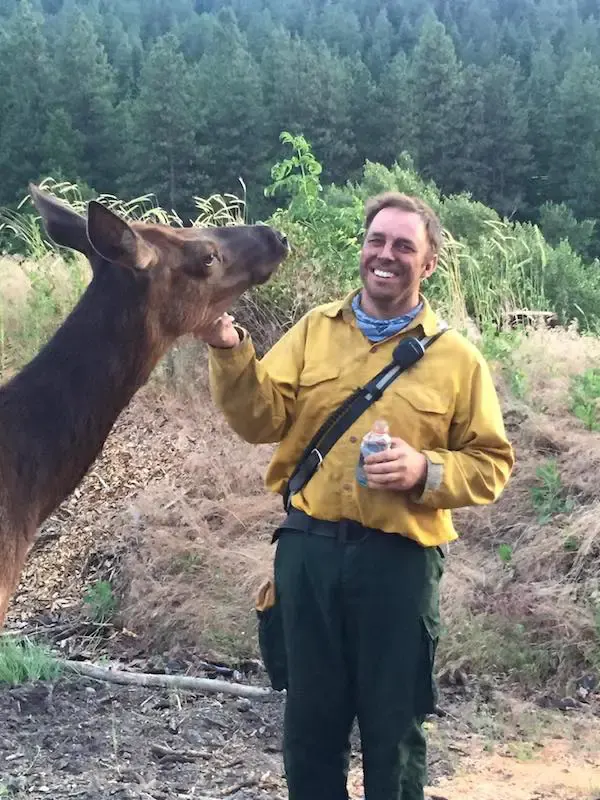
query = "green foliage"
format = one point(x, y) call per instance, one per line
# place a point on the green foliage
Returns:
point(298, 177)
point(499, 345)
point(100, 601)
point(585, 398)
point(550, 498)
point(571, 544)
point(557, 222)
point(327, 233)
point(505, 553)
point(22, 661)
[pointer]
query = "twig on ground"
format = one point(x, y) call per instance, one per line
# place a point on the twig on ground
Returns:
point(208, 685)
point(166, 754)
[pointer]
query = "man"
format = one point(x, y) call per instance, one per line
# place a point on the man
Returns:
point(357, 569)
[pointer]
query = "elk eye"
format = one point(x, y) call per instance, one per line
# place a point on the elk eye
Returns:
point(202, 265)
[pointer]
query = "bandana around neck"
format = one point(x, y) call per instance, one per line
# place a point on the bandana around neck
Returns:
point(376, 330)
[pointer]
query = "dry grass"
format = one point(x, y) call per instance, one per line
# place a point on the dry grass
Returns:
point(193, 555)
point(35, 297)
point(522, 590)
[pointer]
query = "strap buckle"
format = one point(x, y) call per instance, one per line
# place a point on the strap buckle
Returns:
point(319, 456)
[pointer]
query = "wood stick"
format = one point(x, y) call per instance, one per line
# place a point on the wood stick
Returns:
point(209, 685)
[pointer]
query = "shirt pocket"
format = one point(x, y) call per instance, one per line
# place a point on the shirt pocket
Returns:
point(319, 393)
point(421, 416)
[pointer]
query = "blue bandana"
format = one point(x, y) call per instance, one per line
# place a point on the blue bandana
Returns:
point(378, 329)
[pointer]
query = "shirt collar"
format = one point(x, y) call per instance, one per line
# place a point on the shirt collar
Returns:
point(426, 318)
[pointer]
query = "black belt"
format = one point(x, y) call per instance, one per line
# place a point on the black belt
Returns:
point(344, 530)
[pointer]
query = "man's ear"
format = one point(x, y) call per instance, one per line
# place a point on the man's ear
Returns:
point(63, 225)
point(430, 267)
point(111, 237)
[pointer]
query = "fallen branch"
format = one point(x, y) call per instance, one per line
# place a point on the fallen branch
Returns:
point(209, 685)
point(167, 755)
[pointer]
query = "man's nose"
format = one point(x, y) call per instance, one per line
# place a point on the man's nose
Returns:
point(387, 252)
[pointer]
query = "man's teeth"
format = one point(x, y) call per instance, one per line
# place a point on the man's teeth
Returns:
point(382, 273)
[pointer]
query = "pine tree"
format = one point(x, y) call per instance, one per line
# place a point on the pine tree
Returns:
point(507, 153)
point(162, 154)
point(434, 81)
point(575, 116)
point(380, 44)
point(393, 122)
point(540, 90)
point(471, 171)
point(232, 113)
point(25, 97)
point(87, 92)
point(309, 90)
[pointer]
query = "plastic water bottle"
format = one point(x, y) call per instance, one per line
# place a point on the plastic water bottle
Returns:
point(376, 440)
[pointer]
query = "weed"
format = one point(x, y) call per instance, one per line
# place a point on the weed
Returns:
point(549, 499)
point(187, 563)
point(585, 397)
point(101, 601)
point(22, 661)
point(571, 544)
point(518, 383)
point(505, 553)
point(498, 345)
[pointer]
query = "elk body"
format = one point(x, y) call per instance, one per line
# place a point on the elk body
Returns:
point(150, 285)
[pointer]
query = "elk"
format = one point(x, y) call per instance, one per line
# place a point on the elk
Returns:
point(151, 284)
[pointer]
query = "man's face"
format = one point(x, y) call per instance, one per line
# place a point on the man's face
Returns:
point(395, 258)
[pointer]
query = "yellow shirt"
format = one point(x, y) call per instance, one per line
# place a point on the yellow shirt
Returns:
point(444, 406)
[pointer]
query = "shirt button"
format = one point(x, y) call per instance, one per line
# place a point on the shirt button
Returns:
point(347, 487)
point(353, 439)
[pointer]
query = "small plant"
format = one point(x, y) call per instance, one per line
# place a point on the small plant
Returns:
point(299, 175)
point(550, 497)
point(518, 383)
point(22, 661)
point(505, 553)
point(571, 544)
point(187, 563)
point(585, 398)
point(498, 345)
point(100, 601)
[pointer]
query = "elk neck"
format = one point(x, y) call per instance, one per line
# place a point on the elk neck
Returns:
point(56, 414)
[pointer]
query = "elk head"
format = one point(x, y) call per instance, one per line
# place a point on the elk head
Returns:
point(195, 274)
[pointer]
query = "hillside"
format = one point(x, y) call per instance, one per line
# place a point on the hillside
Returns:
point(500, 99)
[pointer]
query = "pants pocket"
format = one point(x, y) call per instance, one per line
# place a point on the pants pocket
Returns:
point(427, 691)
point(270, 636)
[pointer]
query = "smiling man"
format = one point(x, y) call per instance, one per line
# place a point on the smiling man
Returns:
point(354, 612)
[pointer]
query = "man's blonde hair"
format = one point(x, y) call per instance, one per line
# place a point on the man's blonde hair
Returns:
point(404, 202)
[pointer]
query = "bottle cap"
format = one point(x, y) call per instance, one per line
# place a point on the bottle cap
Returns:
point(380, 426)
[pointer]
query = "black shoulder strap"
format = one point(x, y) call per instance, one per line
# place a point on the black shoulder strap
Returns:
point(407, 353)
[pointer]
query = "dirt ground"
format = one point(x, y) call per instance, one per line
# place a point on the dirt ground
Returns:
point(92, 740)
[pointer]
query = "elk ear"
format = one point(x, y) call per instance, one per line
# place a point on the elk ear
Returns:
point(111, 237)
point(63, 225)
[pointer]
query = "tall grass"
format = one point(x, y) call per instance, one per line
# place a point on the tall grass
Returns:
point(22, 661)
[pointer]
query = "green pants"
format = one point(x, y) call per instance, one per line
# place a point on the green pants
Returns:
point(359, 623)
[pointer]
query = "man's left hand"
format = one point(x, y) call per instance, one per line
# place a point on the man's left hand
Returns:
point(399, 468)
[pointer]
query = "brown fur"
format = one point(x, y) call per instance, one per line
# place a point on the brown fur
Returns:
point(151, 284)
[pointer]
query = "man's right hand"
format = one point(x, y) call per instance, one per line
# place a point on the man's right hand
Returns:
point(221, 333)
